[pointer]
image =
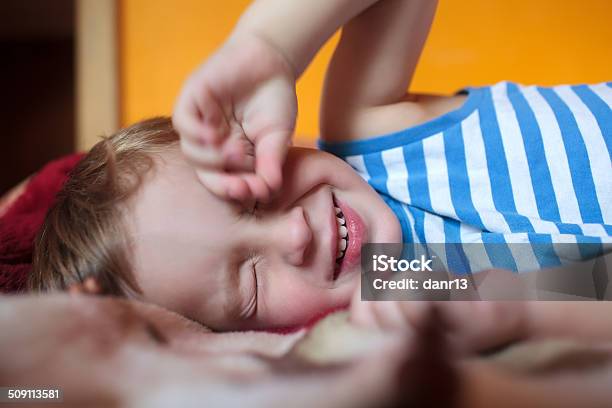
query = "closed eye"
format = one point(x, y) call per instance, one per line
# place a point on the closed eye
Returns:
point(254, 208)
point(249, 293)
point(248, 209)
point(256, 286)
point(155, 334)
point(252, 308)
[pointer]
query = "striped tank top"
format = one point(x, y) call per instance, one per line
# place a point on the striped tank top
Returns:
point(514, 165)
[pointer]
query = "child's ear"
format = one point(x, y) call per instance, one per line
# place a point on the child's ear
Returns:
point(89, 286)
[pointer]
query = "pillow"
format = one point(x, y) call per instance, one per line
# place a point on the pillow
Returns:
point(22, 213)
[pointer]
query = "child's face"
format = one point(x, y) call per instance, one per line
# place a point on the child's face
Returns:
point(212, 261)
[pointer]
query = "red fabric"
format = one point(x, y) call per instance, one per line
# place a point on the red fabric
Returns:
point(20, 224)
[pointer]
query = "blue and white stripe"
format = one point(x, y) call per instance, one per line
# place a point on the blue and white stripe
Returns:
point(514, 164)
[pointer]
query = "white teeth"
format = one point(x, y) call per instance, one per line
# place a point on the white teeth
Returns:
point(339, 253)
point(340, 249)
point(342, 234)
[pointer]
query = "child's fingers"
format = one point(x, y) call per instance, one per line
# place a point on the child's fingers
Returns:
point(258, 187)
point(415, 311)
point(211, 114)
point(362, 314)
point(390, 315)
point(481, 325)
point(199, 119)
point(187, 125)
point(212, 181)
point(270, 153)
point(238, 155)
point(241, 187)
point(232, 157)
point(202, 157)
point(224, 185)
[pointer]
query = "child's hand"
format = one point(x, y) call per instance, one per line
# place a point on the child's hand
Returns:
point(386, 315)
point(235, 116)
point(471, 326)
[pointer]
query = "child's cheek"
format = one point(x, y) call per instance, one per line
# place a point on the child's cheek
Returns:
point(298, 308)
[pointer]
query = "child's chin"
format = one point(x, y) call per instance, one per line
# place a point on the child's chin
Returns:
point(394, 231)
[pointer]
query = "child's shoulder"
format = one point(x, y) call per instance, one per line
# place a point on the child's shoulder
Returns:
point(410, 111)
point(417, 116)
point(412, 118)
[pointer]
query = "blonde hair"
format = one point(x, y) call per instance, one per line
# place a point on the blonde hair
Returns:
point(84, 233)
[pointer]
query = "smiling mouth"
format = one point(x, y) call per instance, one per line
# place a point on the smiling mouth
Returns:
point(343, 236)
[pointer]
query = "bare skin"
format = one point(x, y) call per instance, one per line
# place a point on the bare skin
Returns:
point(108, 343)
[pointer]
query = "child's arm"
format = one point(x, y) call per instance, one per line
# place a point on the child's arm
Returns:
point(236, 113)
point(371, 70)
point(298, 29)
point(587, 321)
point(482, 325)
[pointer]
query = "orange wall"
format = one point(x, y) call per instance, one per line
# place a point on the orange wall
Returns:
point(472, 42)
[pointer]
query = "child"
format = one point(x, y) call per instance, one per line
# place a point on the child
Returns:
point(274, 239)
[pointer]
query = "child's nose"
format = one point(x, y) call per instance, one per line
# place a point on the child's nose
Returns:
point(293, 236)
